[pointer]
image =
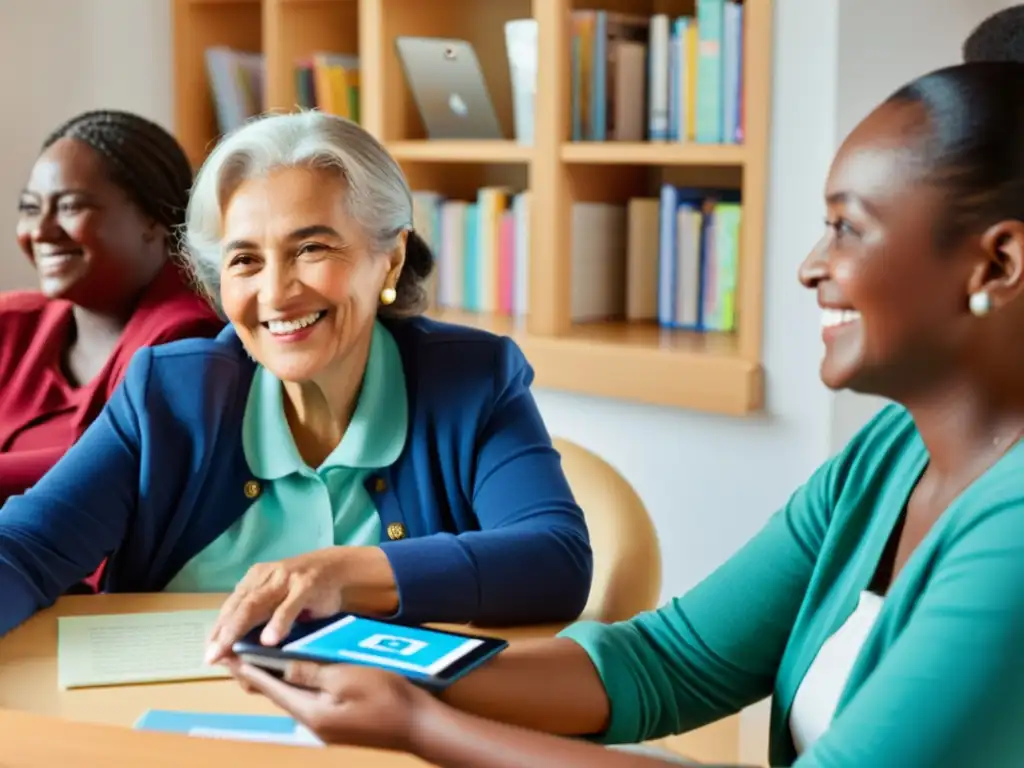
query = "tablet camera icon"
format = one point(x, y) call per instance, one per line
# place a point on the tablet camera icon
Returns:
point(458, 105)
point(390, 644)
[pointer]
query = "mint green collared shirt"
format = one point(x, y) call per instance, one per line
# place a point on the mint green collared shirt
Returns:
point(302, 509)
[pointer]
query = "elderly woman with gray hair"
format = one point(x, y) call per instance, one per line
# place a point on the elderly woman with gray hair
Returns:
point(331, 449)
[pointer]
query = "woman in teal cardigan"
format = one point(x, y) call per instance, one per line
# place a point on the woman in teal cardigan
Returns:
point(883, 606)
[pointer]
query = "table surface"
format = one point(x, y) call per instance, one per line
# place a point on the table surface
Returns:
point(36, 741)
point(42, 726)
point(28, 685)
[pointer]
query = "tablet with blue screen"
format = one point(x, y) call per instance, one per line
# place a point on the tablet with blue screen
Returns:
point(430, 657)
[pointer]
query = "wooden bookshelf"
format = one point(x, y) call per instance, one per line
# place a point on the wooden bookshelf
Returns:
point(652, 153)
point(719, 373)
point(497, 152)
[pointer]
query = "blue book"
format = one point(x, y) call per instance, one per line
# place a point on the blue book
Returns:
point(272, 729)
point(666, 254)
point(732, 73)
point(598, 116)
point(676, 48)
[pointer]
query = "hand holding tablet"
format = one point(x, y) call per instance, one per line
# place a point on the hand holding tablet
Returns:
point(431, 658)
point(345, 704)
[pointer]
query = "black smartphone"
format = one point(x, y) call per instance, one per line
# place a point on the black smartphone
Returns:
point(431, 658)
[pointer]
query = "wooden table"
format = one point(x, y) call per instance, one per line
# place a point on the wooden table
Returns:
point(36, 741)
point(42, 726)
point(35, 736)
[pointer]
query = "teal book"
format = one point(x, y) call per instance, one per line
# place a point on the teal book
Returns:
point(723, 268)
point(710, 75)
point(471, 297)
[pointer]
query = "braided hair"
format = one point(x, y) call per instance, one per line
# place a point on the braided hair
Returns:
point(144, 160)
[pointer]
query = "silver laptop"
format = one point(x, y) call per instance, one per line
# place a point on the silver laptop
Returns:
point(448, 87)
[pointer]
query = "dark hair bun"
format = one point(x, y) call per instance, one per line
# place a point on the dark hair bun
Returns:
point(1000, 37)
point(412, 296)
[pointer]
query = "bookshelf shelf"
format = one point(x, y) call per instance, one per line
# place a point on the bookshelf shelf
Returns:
point(498, 152)
point(651, 153)
point(635, 361)
point(718, 373)
point(223, 2)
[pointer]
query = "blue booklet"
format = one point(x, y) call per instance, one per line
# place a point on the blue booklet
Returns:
point(273, 729)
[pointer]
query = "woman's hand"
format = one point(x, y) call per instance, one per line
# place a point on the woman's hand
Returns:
point(320, 583)
point(344, 704)
point(368, 707)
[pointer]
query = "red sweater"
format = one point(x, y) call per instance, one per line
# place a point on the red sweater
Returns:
point(41, 414)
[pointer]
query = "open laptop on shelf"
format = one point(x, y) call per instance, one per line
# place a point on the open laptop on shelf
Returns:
point(448, 87)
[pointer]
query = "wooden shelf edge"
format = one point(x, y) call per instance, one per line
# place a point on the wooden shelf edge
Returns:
point(707, 381)
point(220, 2)
point(460, 151)
point(652, 153)
point(724, 385)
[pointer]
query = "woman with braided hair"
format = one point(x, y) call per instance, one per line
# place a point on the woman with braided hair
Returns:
point(98, 220)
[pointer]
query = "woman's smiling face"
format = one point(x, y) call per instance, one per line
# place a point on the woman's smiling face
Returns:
point(89, 241)
point(893, 302)
point(300, 279)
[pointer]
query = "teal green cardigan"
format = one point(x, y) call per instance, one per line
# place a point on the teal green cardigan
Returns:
point(940, 679)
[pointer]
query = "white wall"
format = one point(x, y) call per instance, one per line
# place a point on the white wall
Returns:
point(708, 482)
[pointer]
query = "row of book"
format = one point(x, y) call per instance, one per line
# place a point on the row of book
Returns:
point(659, 78)
point(327, 81)
point(671, 259)
point(698, 257)
point(634, 77)
point(481, 247)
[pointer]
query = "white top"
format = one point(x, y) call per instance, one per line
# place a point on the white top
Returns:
point(815, 703)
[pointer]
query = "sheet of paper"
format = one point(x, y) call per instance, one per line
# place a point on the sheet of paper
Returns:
point(271, 729)
point(123, 649)
point(300, 737)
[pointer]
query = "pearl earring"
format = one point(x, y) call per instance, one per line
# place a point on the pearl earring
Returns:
point(980, 303)
point(388, 296)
